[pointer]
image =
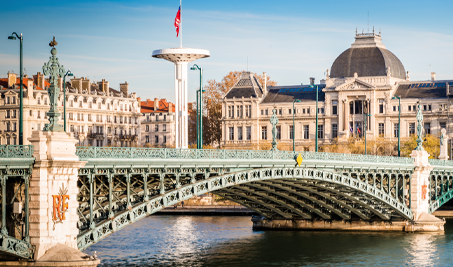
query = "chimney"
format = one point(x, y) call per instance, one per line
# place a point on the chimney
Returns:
point(433, 76)
point(104, 86)
point(156, 104)
point(29, 88)
point(265, 84)
point(77, 84)
point(38, 79)
point(60, 84)
point(86, 84)
point(11, 79)
point(124, 88)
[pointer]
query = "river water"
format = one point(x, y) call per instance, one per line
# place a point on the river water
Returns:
point(172, 240)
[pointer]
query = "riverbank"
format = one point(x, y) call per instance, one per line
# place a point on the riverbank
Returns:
point(208, 210)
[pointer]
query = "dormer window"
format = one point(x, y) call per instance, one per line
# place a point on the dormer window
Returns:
point(90, 105)
point(14, 100)
point(7, 100)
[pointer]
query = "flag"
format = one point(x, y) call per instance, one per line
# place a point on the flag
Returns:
point(177, 21)
point(350, 129)
point(358, 130)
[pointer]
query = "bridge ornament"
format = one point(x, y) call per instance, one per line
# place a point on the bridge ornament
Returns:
point(55, 71)
point(419, 129)
point(274, 121)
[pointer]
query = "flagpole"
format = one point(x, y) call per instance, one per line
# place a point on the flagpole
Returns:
point(180, 23)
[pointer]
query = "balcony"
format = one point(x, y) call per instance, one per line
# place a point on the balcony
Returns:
point(95, 135)
point(128, 137)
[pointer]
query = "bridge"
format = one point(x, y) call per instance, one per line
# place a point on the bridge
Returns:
point(78, 196)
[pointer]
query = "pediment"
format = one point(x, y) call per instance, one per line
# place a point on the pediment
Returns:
point(355, 84)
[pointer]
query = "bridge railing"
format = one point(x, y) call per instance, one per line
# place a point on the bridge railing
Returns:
point(16, 151)
point(225, 154)
point(440, 162)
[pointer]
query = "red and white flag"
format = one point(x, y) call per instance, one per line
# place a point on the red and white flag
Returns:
point(177, 21)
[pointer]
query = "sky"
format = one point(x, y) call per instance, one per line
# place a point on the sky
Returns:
point(289, 40)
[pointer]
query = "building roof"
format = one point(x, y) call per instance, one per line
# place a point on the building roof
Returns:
point(164, 106)
point(4, 83)
point(367, 57)
point(284, 94)
point(424, 89)
point(247, 86)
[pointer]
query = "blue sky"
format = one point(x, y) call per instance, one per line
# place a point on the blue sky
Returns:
point(290, 40)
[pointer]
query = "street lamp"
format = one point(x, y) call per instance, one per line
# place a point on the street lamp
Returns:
point(294, 127)
point(399, 123)
point(199, 108)
point(13, 36)
point(312, 85)
point(68, 73)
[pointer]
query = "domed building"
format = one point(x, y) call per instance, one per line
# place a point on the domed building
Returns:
point(358, 91)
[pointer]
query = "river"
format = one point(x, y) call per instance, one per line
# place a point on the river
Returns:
point(171, 240)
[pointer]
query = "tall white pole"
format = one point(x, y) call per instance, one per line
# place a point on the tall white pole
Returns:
point(176, 108)
point(180, 23)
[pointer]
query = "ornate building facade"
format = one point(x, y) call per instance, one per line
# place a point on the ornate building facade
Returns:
point(96, 114)
point(157, 123)
point(365, 79)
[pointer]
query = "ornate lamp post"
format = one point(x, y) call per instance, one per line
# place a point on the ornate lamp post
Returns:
point(68, 73)
point(312, 85)
point(294, 127)
point(21, 92)
point(55, 71)
point(365, 125)
point(399, 123)
point(199, 108)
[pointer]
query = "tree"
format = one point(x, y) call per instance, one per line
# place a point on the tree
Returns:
point(212, 113)
point(430, 143)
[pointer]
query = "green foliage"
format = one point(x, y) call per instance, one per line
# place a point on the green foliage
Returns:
point(431, 144)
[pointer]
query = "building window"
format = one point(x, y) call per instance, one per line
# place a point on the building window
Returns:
point(165, 139)
point(156, 139)
point(71, 103)
point(320, 110)
point(427, 107)
point(427, 128)
point(89, 117)
point(7, 114)
point(279, 132)
point(80, 104)
point(442, 124)
point(395, 130)
point(381, 129)
point(231, 111)
point(249, 132)
point(265, 112)
point(156, 128)
point(248, 111)
point(240, 133)
point(291, 132)
point(99, 105)
point(334, 107)
point(334, 130)
point(280, 111)
point(239, 111)
point(231, 133)
point(262, 112)
point(289, 111)
point(45, 101)
point(381, 106)
point(409, 108)
point(71, 128)
point(264, 132)
point(411, 128)
point(90, 105)
point(39, 101)
point(164, 127)
point(306, 132)
point(147, 128)
point(70, 115)
point(320, 131)
point(14, 99)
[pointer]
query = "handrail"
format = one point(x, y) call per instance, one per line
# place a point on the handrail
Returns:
point(171, 153)
point(440, 162)
point(16, 151)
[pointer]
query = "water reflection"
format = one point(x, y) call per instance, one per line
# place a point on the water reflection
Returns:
point(230, 241)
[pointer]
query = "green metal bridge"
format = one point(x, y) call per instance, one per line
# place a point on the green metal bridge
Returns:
point(119, 186)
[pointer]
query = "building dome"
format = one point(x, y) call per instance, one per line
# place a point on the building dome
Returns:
point(367, 57)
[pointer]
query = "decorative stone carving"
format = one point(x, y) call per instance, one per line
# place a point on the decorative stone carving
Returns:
point(443, 145)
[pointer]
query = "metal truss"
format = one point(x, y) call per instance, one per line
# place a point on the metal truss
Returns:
point(112, 198)
point(440, 188)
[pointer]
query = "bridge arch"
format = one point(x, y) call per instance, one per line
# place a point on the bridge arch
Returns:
point(278, 192)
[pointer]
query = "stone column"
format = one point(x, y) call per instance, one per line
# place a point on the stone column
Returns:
point(420, 183)
point(53, 191)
